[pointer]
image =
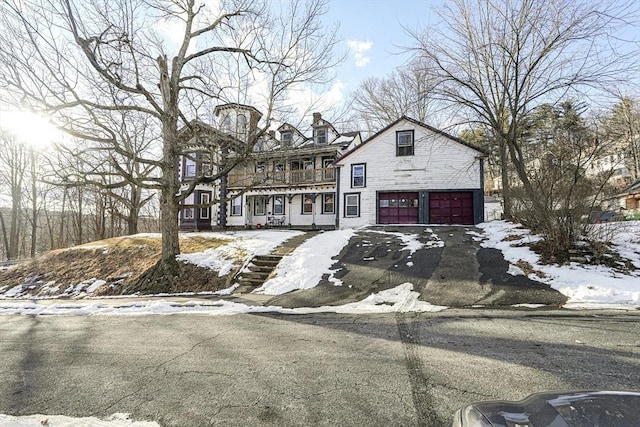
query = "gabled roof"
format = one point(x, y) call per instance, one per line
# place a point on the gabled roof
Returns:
point(418, 123)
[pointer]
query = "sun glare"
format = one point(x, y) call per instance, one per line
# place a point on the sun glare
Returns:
point(29, 127)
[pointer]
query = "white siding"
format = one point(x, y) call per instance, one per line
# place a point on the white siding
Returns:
point(438, 163)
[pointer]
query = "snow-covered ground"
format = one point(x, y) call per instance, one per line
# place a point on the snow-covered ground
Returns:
point(116, 420)
point(586, 286)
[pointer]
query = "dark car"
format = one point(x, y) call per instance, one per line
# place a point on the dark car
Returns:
point(556, 409)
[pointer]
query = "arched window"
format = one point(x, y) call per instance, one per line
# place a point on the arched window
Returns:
point(242, 124)
point(226, 124)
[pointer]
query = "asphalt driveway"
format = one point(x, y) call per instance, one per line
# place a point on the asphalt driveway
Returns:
point(451, 269)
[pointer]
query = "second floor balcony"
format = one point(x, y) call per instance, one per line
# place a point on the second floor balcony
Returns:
point(282, 178)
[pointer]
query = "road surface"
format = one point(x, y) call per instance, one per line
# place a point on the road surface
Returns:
point(315, 370)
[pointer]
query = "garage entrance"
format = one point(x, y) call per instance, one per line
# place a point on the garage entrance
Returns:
point(398, 208)
point(451, 207)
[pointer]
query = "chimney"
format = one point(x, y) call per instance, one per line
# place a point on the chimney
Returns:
point(272, 133)
point(316, 118)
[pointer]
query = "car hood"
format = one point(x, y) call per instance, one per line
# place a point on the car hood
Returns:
point(557, 409)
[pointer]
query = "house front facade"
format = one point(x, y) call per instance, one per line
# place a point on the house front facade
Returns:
point(410, 173)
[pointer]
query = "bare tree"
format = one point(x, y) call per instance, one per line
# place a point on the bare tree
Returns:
point(85, 61)
point(408, 91)
point(499, 59)
point(14, 161)
point(622, 130)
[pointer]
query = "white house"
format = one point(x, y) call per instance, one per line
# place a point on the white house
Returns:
point(410, 173)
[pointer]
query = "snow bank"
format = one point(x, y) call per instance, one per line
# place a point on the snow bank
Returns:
point(584, 285)
point(116, 420)
point(304, 267)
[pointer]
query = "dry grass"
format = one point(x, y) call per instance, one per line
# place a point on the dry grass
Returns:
point(118, 261)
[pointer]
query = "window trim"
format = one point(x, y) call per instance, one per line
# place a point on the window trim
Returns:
point(346, 205)
point(273, 204)
point(316, 135)
point(304, 198)
point(333, 203)
point(286, 138)
point(364, 175)
point(405, 146)
point(234, 205)
point(188, 213)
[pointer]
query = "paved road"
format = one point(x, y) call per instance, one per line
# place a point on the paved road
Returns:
point(268, 370)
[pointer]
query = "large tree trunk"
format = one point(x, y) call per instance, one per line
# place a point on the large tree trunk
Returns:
point(506, 185)
point(34, 206)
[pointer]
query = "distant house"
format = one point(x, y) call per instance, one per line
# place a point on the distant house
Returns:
point(408, 173)
point(411, 173)
point(629, 200)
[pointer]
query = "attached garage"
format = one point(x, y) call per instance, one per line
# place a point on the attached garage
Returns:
point(398, 208)
point(454, 207)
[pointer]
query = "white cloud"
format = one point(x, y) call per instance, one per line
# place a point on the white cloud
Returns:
point(359, 49)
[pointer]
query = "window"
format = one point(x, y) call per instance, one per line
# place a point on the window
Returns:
point(278, 172)
point(188, 213)
point(190, 165)
point(236, 206)
point(241, 122)
point(352, 205)
point(320, 135)
point(226, 124)
point(260, 172)
point(259, 205)
point(328, 206)
point(307, 204)
point(278, 204)
point(404, 143)
point(308, 170)
point(286, 138)
point(358, 175)
point(205, 199)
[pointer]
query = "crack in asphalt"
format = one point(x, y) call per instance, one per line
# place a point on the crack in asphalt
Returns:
point(420, 383)
point(155, 373)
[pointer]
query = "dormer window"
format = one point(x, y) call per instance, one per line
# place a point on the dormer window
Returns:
point(286, 138)
point(320, 135)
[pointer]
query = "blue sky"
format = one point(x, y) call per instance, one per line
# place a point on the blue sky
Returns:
point(372, 32)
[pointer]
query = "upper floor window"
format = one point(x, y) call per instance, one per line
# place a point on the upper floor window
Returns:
point(241, 123)
point(286, 138)
point(226, 124)
point(358, 175)
point(404, 143)
point(190, 165)
point(320, 135)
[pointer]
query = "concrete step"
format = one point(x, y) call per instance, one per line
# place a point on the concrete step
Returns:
point(257, 275)
point(263, 261)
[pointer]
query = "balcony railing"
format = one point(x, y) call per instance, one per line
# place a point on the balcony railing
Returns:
point(281, 178)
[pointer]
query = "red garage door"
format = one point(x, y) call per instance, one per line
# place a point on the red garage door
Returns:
point(398, 208)
point(451, 208)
